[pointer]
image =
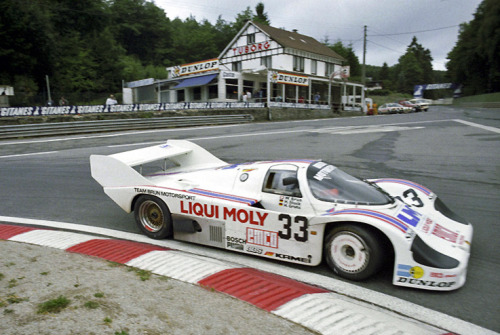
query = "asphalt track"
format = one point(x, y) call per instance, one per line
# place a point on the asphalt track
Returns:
point(454, 152)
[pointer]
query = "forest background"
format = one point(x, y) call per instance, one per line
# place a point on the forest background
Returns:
point(88, 48)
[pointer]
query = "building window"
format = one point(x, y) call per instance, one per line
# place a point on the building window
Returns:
point(248, 87)
point(314, 66)
point(298, 64)
point(232, 89)
point(236, 66)
point(329, 68)
point(180, 96)
point(213, 91)
point(266, 61)
point(250, 38)
point(197, 93)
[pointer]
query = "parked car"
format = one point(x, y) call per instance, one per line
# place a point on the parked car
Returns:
point(300, 211)
point(413, 107)
point(390, 108)
point(423, 103)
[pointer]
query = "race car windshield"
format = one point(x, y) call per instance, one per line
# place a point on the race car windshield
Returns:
point(328, 183)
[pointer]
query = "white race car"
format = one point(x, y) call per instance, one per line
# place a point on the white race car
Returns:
point(298, 211)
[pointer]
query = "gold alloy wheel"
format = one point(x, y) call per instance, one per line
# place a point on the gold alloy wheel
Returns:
point(151, 216)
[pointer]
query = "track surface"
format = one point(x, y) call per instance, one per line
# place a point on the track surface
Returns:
point(454, 152)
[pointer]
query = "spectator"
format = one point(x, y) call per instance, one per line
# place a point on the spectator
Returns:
point(245, 99)
point(316, 98)
point(111, 100)
point(63, 101)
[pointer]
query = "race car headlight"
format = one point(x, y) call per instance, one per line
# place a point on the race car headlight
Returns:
point(425, 255)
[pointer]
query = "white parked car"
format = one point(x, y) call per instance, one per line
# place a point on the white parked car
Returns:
point(423, 103)
point(390, 108)
point(299, 211)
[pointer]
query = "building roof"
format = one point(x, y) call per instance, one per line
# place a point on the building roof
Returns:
point(293, 39)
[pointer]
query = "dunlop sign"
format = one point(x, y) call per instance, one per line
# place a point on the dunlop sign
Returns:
point(288, 78)
point(192, 68)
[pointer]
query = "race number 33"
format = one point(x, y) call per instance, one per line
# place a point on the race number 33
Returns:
point(301, 235)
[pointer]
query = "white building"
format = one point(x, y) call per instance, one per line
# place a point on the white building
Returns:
point(261, 59)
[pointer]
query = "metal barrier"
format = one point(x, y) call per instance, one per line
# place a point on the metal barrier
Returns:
point(82, 127)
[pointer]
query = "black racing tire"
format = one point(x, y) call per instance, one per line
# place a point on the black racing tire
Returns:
point(153, 217)
point(353, 252)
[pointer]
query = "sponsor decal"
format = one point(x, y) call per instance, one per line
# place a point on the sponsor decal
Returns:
point(427, 226)
point(255, 250)
point(290, 202)
point(410, 271)
point(324, 172)
point(262, 237)
point(235, 243)
point(445, 233)
point(296, 259)
point(441, 275)
point(429, 283)
point(224, 213)
point(192, 68)
point(409, 216)
point(251, 48)
point(288, 78)
point(163, 193)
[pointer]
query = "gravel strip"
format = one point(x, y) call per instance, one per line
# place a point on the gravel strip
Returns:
point(109, 298)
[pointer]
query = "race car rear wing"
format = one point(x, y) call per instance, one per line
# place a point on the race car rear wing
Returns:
point(116, 170)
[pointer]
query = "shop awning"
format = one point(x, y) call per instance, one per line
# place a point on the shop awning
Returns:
point(195, 81)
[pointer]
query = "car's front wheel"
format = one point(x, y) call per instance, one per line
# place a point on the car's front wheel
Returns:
point(353, 252)
point(153, 217)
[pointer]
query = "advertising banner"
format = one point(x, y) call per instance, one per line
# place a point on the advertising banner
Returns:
point(192, 68)
point(288, 78)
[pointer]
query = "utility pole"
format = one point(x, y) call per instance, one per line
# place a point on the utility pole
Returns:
point(363, 74)
point(48, 90)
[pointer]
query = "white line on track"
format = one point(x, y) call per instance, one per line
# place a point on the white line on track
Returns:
point(30, 154)
point(383, 301)
point(472, 124)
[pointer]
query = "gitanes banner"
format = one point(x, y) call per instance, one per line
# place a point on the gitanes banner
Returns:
point(78, 110)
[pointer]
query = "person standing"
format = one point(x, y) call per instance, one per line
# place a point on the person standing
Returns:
point(111, 100)
point(316, 98)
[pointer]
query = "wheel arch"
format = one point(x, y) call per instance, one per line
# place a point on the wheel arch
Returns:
point(380, 235)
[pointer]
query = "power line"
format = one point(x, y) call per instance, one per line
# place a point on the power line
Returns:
point(415, 32)
point(382, 46)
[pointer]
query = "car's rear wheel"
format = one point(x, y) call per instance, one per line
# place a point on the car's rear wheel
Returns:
point(153, 217)
point(353, 252)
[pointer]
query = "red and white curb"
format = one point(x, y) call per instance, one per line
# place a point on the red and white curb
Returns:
point(315, 308)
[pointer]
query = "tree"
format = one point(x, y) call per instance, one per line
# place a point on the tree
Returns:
point(348, 53)
point(143, 29)
point(241, 19)
point(409, 73)
point(413, 68)
point(26, 41)
point(384, 72)
point(474, 60)
point(261, 17)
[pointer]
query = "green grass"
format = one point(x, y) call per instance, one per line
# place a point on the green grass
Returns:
point(91, 304)
point(492, 97)
point(54, 305)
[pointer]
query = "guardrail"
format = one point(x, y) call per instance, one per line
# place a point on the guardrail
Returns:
point(82, 127)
